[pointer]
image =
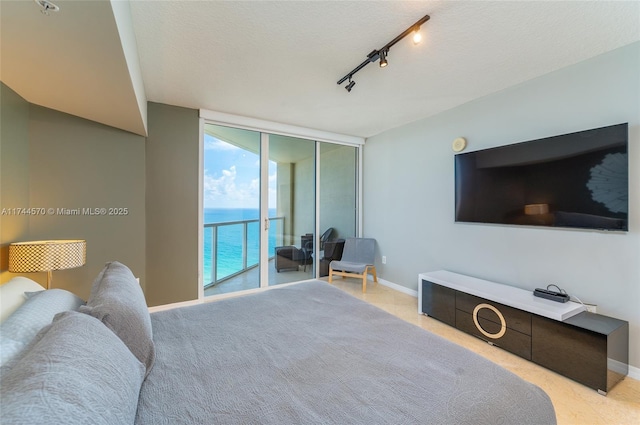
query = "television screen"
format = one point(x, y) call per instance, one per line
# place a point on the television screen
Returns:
point(575, 180)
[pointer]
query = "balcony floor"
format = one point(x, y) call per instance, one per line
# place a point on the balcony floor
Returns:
point(249, 279)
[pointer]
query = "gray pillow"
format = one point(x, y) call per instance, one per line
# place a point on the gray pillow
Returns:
point(36, 313)
point(117, 300)
point(76, 372)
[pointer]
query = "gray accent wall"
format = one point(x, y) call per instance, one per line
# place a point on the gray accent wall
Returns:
point(65, 165)
point(54, 160)
point(14, 172)
point(172, 204)
point(409, 191)
point(76, 164)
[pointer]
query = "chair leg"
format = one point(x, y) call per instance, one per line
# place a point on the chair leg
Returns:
point(330, 275)
point(372, 270)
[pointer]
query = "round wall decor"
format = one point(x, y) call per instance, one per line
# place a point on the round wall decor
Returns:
point(459, 144)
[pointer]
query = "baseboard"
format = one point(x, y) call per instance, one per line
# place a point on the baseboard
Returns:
point(171, 306)
point(634, 373)
point(398, 288)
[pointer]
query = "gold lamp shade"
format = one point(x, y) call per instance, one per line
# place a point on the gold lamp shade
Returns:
point(46, 256)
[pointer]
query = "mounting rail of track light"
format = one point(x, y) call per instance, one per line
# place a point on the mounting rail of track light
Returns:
point(382, 53)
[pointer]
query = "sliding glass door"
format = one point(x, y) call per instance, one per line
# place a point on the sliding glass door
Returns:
point(270, 203)
point(231, 252)
point(295, 201)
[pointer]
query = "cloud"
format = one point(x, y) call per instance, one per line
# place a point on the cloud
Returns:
point(222, 185)
point(228, 188)
point(225, 191)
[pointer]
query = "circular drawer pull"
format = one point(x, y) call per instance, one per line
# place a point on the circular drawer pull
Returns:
point(503, 324)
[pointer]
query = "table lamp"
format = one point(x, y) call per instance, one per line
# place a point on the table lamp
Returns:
point(46, 256)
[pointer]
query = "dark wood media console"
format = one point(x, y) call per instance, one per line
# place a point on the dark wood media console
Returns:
point(589, 348)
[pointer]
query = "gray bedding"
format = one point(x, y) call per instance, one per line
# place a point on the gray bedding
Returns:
point(312, 354)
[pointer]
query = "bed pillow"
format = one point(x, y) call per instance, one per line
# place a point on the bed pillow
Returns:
point(12, 295)
point(37, 312)
point(117, 300)
point(77, 372)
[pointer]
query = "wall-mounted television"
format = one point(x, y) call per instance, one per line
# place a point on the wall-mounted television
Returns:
point(577, 180)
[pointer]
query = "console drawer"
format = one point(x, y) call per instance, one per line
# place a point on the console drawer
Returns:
point(515, 319)
point(439, 302)
point(511, 340)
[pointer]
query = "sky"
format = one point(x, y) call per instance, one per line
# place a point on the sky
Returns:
point(232, 176)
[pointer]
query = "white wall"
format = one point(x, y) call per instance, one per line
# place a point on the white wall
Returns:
point(409, 191)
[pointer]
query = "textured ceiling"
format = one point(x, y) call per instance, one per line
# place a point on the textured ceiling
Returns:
point(280, 60)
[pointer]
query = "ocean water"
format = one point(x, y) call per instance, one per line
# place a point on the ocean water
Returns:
point(230, 240)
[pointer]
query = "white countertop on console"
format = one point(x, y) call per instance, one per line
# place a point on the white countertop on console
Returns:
point(503, 294)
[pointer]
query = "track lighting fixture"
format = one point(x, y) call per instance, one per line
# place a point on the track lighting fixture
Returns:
point(350, 85)
point(381, 54)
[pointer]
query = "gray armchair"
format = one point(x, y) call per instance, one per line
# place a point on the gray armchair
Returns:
point(357, 261)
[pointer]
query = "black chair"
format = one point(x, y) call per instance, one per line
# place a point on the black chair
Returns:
point(290, 257)
point(325, 237)
point(307, 245)
point(332, 251)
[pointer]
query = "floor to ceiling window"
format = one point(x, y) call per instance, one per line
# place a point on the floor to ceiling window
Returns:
point(266, 200)
point(231, 207)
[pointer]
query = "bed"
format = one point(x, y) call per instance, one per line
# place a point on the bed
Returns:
point(306, 353)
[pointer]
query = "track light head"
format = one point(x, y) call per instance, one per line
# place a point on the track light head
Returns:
point(417, 37)
point(350, 85)
point(383, 59)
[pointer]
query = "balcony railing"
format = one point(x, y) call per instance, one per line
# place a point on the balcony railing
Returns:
point(232, 247)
